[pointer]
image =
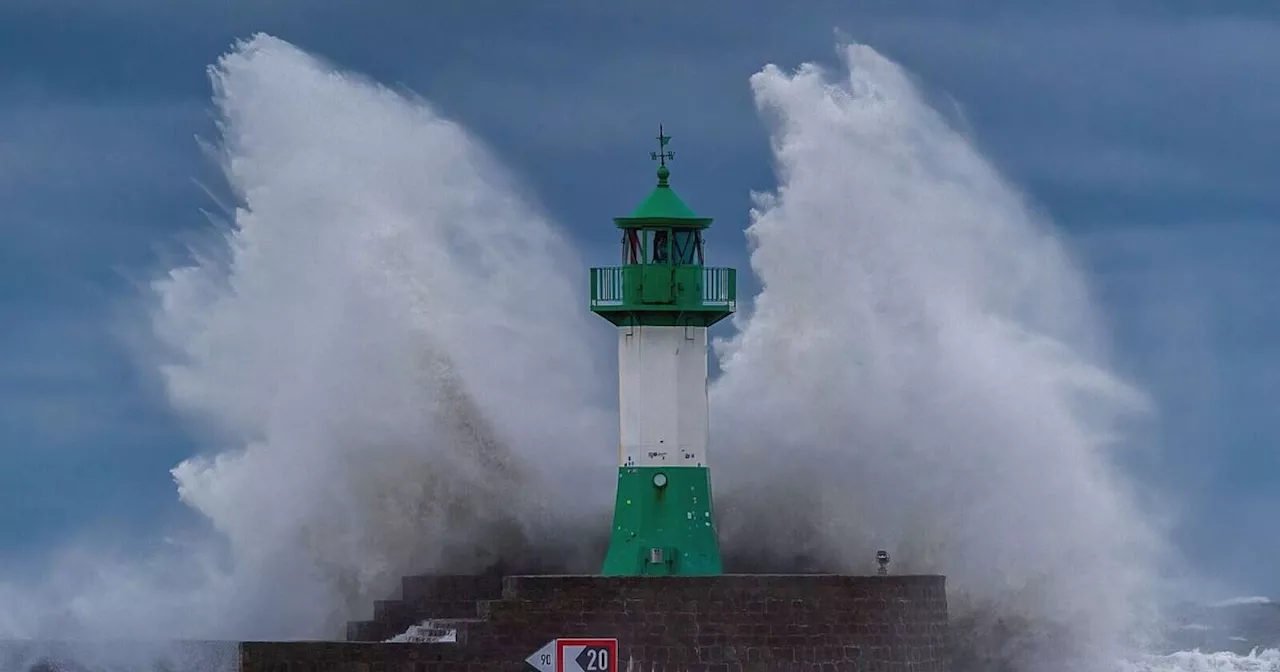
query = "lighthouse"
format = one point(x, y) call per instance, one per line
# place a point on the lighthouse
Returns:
point(662, 298)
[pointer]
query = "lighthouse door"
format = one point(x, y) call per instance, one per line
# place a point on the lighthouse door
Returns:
point(656, 285)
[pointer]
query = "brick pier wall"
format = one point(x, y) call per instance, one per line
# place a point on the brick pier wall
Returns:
point(732, 623)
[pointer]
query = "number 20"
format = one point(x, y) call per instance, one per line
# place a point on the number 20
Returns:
point(597, 660)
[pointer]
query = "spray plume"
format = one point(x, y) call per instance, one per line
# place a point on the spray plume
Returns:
point(920, 371)
point(388, 343)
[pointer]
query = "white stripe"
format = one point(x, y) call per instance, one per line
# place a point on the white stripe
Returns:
point(662, 396)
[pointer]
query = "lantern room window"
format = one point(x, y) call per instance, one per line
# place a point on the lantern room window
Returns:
point(687, 247)
point(632, 247)
point(661, 246)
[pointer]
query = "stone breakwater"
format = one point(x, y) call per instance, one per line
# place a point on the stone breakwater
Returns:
point(720, 623)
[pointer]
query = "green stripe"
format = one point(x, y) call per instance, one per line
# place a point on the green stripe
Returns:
point(677, 518)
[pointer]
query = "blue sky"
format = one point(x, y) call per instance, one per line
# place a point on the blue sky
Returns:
point(1147, 133)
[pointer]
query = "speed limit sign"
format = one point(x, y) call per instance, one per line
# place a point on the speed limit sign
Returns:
point(576, 654)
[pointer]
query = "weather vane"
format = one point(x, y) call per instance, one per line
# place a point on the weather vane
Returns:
point(661, 156)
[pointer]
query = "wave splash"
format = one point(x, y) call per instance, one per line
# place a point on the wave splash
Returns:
point(922, 372)
point(389, 343)
point(396, 341)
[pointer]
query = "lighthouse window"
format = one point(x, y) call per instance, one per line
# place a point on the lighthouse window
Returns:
point(632, 250)
point(661, 244)
point(687, 246)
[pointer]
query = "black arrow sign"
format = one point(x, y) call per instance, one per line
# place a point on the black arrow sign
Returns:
point(594, 659)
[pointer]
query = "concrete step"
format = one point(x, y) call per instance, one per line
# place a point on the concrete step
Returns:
point(364, 631)
point(391, 610)
point(449, 588)
point(399, 610)
point(392, 617)
point(426, 597)
point(443, 630)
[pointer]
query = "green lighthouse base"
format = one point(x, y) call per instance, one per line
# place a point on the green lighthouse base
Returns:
point(663, 524)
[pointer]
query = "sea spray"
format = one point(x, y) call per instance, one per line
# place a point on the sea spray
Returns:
point(392, 353)
point(923, 372)
point(398, 341)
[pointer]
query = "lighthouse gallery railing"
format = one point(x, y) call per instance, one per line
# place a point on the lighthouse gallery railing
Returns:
point(610, 286)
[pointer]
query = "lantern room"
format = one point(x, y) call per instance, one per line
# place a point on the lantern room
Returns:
point(663, 279)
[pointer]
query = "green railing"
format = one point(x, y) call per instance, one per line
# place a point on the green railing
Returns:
point(686, 287)
point(607, 287)
point(719, 287)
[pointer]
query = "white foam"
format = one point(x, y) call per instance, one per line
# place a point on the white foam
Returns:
point(428, 632)
point(1267, 660)
point(1239, 601)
